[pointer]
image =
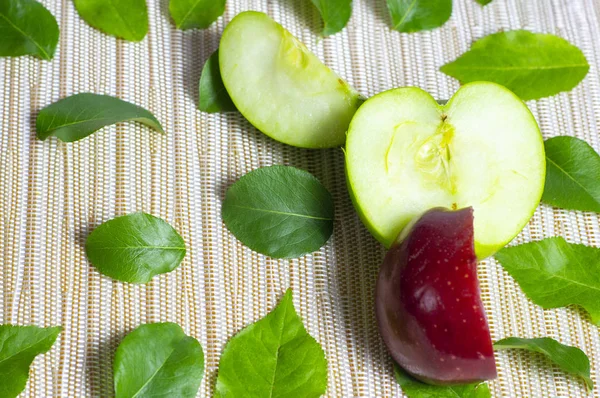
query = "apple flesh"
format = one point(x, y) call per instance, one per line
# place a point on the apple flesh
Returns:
point(428, 305)
point(406, 154)
point(281, 87)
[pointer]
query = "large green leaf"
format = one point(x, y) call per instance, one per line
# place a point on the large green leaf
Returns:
point(158, 360)
point(213, 96)
point(189, 14)
point(127, 19)
point(19, 345)
point(273, 358)
point(135, 248)
point(78, 116)
point(416, 15)
point(27, 28)
point(415, 389)
point(570, 359)
point(532, 65)
point(279, 211)
point(572, 174)
point(335, 14)
point(554, 273)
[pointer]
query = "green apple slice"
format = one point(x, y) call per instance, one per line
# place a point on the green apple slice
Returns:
point(282, 88)
point(406, 154)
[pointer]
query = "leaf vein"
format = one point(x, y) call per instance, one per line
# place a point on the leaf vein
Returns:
point(283, 213)
point(410, 7)
point(46, 55)
point(570, 177)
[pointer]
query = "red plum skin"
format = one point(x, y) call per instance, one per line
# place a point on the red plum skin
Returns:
point(428, 302)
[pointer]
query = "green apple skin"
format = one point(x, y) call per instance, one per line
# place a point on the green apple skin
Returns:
point(281, 87)
point(406, 154)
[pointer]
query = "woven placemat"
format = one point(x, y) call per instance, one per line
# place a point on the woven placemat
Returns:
point(52, 194)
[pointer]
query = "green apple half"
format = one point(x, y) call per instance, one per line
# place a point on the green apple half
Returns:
point(406, 154)
point(282, 88)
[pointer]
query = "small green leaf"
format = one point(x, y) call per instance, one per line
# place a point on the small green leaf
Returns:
point(532, 65)
point(416, 15)
point(126, 19)
point(413, 388)
point(135, 248)
point(572, 174)
point(213, 95)
point(27, 28)
point(335, 14)
point(158, 360)
point(78, 116)
point(484, 2)
point(190, 14)
point(554, 273)
point(273, 358)
point(279, 211)
point(570, 359)
point(19, 345)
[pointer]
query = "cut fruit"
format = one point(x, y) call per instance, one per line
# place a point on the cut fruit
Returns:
point(282, 88)
point(429, 309)
point(406, 154)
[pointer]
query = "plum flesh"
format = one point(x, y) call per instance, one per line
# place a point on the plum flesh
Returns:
point(429, 309)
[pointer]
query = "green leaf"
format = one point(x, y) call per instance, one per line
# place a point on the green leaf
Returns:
point(484, 2)
point(190, 14)
point(27, 28)
point(135, 248)
point(335, 14)
point(213, 95)
point(19, 345)
point(78, 116)
point(127, 19)
point(279, 211)
point(554, 273)
point(158, 360)
point(416, 15)
point(532, 65)
point(273, 358)
point(570, 359)
point(572, 174)
point(413, 388)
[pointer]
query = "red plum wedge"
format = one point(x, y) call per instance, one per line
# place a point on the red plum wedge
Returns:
point(429, 309)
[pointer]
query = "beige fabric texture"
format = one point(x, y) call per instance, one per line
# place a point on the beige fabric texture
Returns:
point(52, 194)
